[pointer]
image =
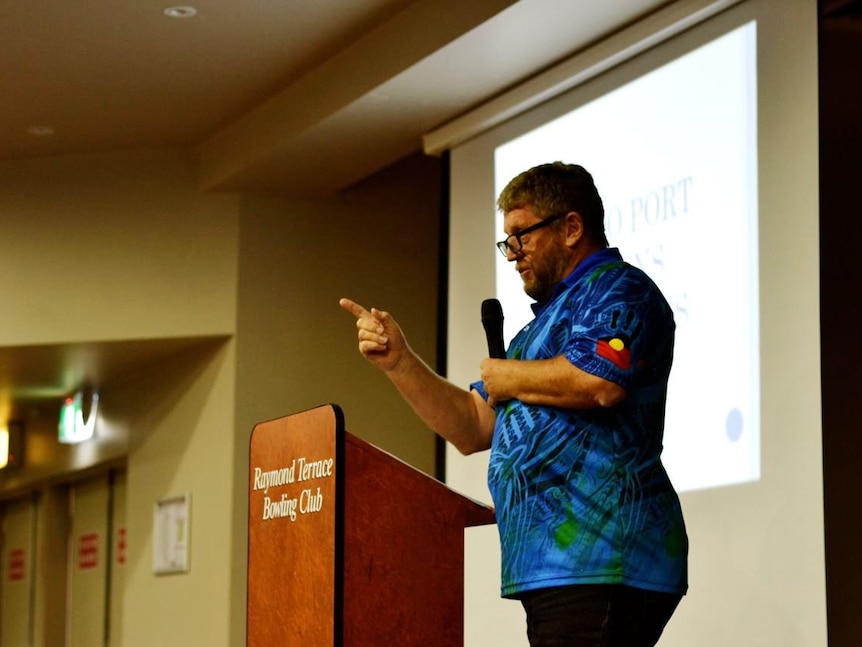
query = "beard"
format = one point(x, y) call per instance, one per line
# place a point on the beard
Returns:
point(544, 270)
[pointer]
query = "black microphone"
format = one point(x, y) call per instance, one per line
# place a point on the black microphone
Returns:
point(492, 321)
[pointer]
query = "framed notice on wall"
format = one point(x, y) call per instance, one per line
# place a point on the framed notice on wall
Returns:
point(171, 527)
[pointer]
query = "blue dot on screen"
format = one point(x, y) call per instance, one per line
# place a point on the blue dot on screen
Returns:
point(733, 425)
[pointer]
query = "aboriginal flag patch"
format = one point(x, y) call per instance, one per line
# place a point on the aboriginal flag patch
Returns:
point(616, 350)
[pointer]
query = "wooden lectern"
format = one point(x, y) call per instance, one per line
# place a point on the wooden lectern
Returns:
point(349, 546)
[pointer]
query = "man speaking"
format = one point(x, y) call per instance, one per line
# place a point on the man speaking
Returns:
point(592, 537)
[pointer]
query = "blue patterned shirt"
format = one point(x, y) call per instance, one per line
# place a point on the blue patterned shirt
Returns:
point(581, 495)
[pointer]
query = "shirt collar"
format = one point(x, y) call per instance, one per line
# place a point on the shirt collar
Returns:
point(591, 262)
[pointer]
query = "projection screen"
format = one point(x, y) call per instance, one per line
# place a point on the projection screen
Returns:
point(704, 148)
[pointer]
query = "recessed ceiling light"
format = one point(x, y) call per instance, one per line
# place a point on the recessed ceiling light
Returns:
point(41, 131)
point(182, 11)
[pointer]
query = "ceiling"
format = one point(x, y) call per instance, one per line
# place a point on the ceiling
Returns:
point(295, 96)
point(286, 95)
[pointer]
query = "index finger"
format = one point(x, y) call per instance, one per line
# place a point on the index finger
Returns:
point(353, 308)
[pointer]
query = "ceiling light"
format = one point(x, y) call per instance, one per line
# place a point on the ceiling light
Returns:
point(11, 444)
point(41, 131)
point(181, 11)
point(4, 447)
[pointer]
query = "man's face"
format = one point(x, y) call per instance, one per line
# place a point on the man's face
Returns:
point(544, 259)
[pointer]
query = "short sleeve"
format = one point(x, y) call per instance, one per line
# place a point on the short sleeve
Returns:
point(623, 331)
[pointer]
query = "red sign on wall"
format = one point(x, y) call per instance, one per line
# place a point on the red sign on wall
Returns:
point(17, 564)
point(88, 551)
point(121, 546)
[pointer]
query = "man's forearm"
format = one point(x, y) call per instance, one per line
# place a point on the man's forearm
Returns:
point(459, 416)
point(553, 382)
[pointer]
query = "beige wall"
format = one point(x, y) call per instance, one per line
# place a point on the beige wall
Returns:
point(231, 304)
point(118, 247)
point(296, 348)
point(113, 246)
point(184, 443)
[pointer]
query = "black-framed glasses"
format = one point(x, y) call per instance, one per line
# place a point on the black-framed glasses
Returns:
point(505, 246)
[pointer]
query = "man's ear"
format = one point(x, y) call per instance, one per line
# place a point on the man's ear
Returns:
point(574, 228)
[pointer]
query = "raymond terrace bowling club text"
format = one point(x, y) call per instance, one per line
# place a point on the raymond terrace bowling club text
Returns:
point(300, 470)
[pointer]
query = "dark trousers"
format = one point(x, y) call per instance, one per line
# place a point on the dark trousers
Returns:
point(597, 615)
